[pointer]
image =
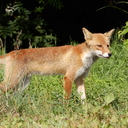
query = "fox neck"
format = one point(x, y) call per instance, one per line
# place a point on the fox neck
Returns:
point(88, 53)
point(89, 58)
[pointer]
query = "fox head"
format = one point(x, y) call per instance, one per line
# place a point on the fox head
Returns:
point(98, 43)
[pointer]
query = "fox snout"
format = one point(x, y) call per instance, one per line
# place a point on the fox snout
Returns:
point(103, 55)
point(109, 54)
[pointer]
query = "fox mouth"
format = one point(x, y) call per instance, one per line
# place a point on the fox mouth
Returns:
point(106, 57)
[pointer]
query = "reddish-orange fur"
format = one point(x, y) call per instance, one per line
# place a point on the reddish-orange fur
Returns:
point(72, 61)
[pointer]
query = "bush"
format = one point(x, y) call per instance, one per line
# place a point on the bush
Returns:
point(23, 25)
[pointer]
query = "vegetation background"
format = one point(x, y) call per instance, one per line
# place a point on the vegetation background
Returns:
point(41, 105)
point(38, 23)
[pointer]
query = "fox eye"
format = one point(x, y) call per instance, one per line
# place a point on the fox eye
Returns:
point(99, 45)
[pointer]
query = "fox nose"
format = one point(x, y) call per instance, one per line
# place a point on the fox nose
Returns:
point(109, 54)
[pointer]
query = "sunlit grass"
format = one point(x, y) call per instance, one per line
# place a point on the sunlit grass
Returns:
point(42, 105)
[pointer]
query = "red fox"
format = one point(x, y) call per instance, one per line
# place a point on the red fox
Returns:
point(73, 62)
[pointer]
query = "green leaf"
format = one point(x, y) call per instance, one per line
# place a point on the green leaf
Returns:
point(56, 3)
point(124, 31)
point(96, 109)
point(126, 42)
point(122, 2)
point(39, 9)
point(109, 98)
point(126, 23)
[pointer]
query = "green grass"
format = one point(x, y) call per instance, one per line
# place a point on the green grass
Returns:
point(42, 105)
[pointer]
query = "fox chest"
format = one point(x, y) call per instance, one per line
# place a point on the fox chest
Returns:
point(87, 62)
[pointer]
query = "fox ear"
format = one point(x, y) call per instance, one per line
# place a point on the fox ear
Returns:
point(109, 33)
point(87, 35)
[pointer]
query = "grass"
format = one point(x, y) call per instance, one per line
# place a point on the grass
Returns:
point(42, 105)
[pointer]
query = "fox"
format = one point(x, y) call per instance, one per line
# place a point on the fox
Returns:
point(73, 62)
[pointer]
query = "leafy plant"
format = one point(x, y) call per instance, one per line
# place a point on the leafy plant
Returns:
point(22, 26)
point(123, 34)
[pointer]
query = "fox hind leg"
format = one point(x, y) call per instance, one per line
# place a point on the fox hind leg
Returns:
point(23, 84)
point(5, 86)
point(26, 82)
point(12, 78)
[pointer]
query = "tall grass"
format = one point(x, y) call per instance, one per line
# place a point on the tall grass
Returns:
point(42, 105)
